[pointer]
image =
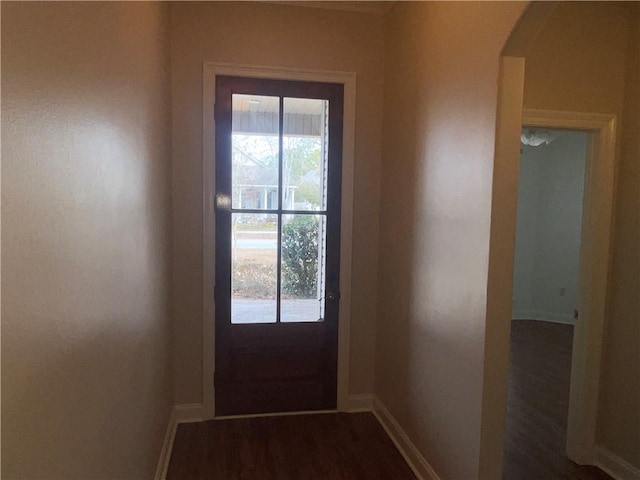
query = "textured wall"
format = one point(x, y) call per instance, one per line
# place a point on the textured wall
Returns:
point(86, 384)
point(586, 60)
point(441, 71)
point(620, 394)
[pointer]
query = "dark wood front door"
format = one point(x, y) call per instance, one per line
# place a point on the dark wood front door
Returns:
point(278, 184)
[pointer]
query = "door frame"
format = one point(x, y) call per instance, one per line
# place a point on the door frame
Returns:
point(593, 273)
point(348, 79)
point(596, 247)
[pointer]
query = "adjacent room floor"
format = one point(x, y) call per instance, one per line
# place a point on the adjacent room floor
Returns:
point(348, 446)
point(538, 404)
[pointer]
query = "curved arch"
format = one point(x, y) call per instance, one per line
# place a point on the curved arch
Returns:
point(528, 27)
point(596, 239)
point(502, 235)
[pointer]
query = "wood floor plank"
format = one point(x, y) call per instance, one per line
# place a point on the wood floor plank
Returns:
point(538, 403)
point(355, 447)
point(322, 446)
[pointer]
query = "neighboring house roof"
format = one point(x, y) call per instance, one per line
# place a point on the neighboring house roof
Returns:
point(255, 171)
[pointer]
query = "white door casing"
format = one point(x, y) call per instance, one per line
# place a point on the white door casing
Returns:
point(210, 71)
point(593, 273)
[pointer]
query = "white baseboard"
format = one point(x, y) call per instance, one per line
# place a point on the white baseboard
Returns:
point(615, 466)
point(179, 414)
point(191, 412)
point(274, 414)
point(420, 467)
point(553, 317)
point(167, 446)
point(359, 403)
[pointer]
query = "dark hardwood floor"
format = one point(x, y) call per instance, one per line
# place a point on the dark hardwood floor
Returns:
point(302, 447)
point(355, 446)
point(538, 404)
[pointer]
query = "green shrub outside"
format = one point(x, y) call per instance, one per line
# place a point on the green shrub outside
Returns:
point(300, 257)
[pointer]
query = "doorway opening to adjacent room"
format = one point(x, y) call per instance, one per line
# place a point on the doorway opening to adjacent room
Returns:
point(593, 267)
point(601, 124)
point(545, 301)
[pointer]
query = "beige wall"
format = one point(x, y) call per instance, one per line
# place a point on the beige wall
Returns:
point(85, 212)
point(274, 35)
point(85, 239)
point(577, 61)
point(585, 59)
point(439, 124)
point(620, 394)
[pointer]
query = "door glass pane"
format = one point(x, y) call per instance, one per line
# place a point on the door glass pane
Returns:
point(303, 268)
point(255, 149)
point(254, 259)
point(304, 154)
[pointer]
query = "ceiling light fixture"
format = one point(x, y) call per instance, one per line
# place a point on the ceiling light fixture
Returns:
point(535, 138)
